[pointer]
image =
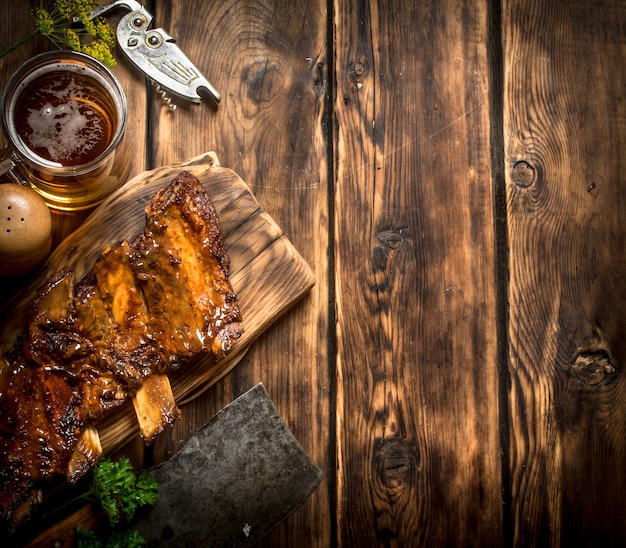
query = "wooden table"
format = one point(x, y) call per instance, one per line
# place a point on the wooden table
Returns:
point(452, 172)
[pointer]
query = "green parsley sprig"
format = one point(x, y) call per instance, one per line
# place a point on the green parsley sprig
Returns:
point(126, 538)
point(67, 25)
point(119, 491)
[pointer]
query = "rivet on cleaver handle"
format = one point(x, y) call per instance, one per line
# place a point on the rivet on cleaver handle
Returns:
point(154, 52)
point(238, 477)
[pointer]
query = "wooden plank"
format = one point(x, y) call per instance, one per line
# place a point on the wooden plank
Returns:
point(417, 409)
point(565, 129)
point(267, 60)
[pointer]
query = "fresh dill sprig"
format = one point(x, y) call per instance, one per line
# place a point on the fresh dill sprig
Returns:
point(66, 23)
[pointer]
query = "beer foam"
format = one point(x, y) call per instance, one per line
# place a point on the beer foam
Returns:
point(67, 129)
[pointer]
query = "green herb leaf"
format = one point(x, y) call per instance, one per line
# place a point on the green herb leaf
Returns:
point(119, 538)
point(87, 539)
point(127, 538)
point(119, 491)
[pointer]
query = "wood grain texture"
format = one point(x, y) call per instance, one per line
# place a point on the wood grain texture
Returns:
point(565, 129)
point(417, 403)
point(379, 172)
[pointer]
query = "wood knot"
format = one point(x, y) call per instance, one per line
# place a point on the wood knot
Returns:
point(395, 461)
point(592, 368)
point(264, 82)
point(391, 240)
point(358, 71)
point(392, 237)
point(523, 174)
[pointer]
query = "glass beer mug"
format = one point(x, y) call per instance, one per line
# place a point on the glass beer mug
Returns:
point(64, 116)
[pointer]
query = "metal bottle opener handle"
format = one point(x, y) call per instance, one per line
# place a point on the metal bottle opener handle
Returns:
point(154, 52)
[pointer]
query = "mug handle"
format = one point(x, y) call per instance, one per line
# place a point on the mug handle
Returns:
point(7, 166)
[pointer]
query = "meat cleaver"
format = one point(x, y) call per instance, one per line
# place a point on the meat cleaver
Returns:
point(234, 480)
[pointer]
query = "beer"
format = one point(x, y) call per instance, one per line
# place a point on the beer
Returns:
point(64, 115)
point(66, 118)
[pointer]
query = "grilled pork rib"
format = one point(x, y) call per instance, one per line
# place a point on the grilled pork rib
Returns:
point(145, 308)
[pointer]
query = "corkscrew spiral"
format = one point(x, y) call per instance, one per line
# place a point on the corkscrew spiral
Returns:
point(163, 93)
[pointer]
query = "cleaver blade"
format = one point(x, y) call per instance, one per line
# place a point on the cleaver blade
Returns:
point(235, 479)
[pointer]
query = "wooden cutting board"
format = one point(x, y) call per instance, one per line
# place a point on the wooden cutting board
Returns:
point(267, 273)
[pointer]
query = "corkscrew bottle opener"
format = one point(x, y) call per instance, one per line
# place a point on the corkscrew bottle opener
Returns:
point(154, 52)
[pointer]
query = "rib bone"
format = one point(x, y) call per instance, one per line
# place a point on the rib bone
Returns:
point(155, 407)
